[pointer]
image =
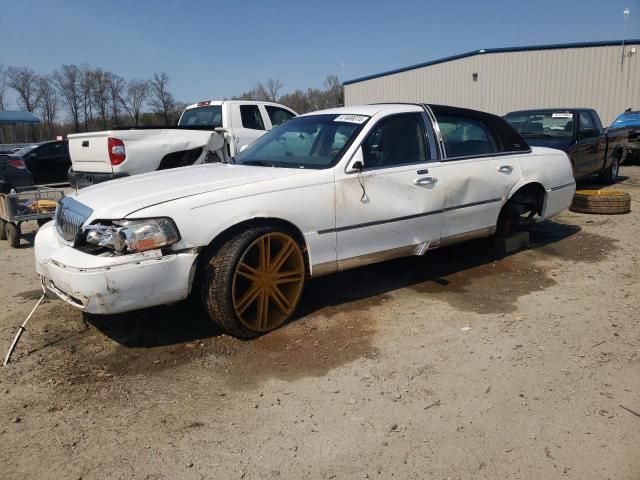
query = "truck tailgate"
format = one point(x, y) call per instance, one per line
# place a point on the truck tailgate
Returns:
point(89, 153)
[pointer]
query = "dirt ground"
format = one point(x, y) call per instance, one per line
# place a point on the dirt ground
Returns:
point(379, 377)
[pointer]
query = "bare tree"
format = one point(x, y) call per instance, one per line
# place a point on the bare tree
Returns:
point(160, 99)
point(136, 94)
point(86, 90)
point(67, 80)
point(335, 91)
point(272, 89)
point(25, 82)
point(100, 93)
point(116, 91)
point(49, 99)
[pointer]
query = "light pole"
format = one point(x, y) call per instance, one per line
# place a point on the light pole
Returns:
point(625, 13)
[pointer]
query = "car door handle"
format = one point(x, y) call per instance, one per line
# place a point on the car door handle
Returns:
point(505, 168)
point(425, 180)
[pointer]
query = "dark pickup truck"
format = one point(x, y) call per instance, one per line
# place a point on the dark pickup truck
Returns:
point(578, 132)
point(630, 119)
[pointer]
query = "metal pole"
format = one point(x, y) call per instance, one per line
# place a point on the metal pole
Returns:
point(625, 14)
point(20, 330)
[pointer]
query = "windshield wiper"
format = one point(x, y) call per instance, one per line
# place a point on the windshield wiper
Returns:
point(259, 163)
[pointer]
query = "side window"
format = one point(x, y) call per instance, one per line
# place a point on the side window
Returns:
point(251, 117)
point(396, 140)
point(586, 122)
point(465, 136)
point(278, 115)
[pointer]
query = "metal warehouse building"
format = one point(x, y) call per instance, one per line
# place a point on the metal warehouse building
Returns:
point(501, 80)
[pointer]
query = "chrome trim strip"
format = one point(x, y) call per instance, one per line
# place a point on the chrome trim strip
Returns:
point(376, 257)
point(407, 217)
point(463, 237)
point(553, 189)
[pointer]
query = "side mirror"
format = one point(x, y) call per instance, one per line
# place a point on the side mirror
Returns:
point(356, 164)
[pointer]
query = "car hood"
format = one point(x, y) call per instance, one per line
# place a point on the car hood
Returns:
point(558, 143)
point(119, 198)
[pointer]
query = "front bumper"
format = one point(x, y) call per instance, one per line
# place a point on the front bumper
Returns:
point(106, 285)
point(86, 179)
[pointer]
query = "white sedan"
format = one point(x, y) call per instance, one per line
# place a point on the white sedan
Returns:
point(323, 192)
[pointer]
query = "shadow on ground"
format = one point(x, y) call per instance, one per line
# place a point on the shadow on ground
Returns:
point(450, 269)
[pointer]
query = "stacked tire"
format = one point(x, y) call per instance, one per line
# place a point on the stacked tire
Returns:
point(603, 202)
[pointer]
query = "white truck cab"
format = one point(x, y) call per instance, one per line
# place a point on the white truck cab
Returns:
point(209, 130)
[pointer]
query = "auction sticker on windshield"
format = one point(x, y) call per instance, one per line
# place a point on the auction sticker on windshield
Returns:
point(359, 119)
point(562, 115)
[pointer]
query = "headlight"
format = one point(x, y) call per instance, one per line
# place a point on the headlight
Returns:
point(136, 235)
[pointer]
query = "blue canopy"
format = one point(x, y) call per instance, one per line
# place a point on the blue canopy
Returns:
point(10, 117)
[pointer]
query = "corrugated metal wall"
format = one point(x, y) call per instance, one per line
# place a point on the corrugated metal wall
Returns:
point(568, 77)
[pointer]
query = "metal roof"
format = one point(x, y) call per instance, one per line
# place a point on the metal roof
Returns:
point(8, 117)
point(483, 51)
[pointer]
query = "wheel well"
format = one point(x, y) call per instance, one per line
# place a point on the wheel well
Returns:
point(180, 159)
point(210, 250)
point(529, 197)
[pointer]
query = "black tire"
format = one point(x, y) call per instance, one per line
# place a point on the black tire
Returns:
point(603, 202)
point(508, 221)
point(610, 174)
point(3, 229)
point(13, 234)
point(217, 284)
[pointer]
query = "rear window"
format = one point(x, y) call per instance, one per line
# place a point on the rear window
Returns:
point(210, 116)
point(465, 136)
point(559, 124)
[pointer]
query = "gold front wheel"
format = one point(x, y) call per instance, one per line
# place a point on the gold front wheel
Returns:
point(255, 282)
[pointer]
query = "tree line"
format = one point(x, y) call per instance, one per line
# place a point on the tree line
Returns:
point(93, 98)
point(301, 101)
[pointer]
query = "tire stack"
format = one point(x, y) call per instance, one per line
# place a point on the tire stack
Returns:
point(603, 202)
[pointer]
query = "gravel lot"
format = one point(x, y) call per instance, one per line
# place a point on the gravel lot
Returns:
point(378, 378)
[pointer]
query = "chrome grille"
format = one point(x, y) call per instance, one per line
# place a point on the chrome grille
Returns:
point(70, 216)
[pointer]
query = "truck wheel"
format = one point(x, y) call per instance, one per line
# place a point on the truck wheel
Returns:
point(13, 234)
point(253, 284)
point(3, 229)
point(610, 174)
point(608, 202)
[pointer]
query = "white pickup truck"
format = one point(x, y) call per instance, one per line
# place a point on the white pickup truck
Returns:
point(205, 129)
point(326, 191)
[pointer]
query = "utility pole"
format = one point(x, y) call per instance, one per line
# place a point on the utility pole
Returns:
point(625, 14)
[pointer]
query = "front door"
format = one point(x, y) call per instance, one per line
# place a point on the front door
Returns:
point(590, 146)
point(394, 206)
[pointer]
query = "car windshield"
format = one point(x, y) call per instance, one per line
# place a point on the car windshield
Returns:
point(542, 124)
point(209, 116)
point(315, 141)
point(627, 119)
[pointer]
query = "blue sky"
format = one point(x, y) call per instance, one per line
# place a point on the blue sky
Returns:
point(217, 49)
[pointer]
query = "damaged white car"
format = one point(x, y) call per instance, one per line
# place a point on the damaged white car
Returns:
point(323, 192)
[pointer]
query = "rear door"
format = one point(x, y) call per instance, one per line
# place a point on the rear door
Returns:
point(478, 178)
